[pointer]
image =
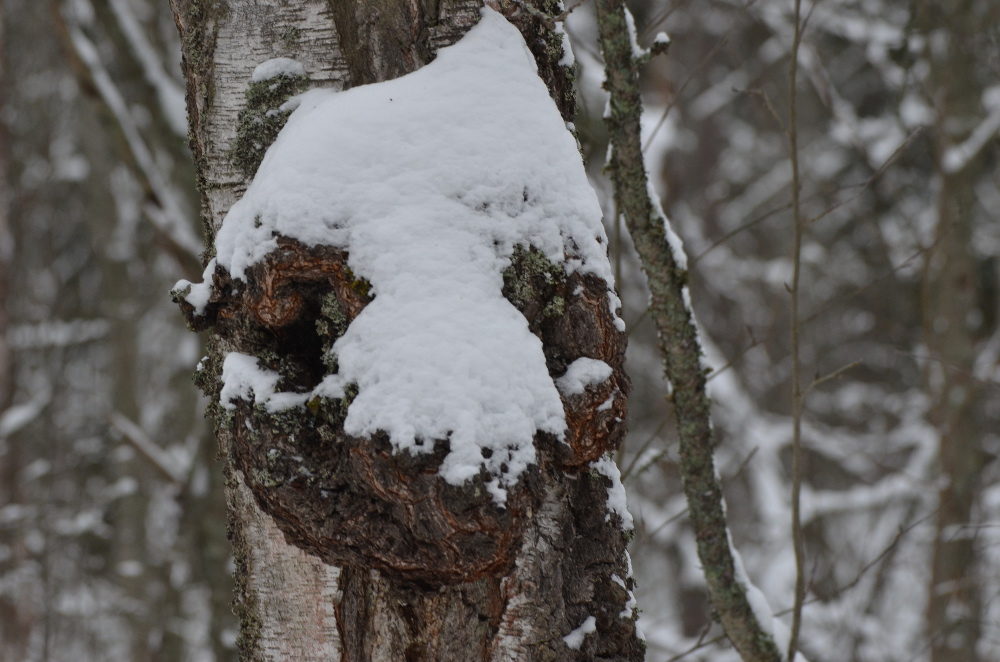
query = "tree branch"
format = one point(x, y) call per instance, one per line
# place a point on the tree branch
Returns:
point(667, 276)
point(798, 394)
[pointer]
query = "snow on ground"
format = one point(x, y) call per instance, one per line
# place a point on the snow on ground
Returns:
point(429, 181)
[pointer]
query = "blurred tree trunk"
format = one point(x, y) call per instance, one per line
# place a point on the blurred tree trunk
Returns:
point(554, 558)
point(94, 563)
point(951, 330)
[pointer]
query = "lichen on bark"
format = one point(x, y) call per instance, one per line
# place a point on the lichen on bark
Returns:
point(262, 118)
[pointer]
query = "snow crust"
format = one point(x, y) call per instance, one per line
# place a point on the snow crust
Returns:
point(279, 66)
point(673, 239)
point(614, 305)
point(582, 373)
point(429, 181)
point(575, 638)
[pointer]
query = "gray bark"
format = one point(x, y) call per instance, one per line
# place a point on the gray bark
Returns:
point(380, 559)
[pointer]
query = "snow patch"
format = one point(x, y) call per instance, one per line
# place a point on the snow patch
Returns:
point(279, 66)
point(761, 608)
point(244, 379)
point(429, 181)
point(633, 35)
point(673, 239)
point(198, 294)
point(582, 373)
point(614, 305)
point(567, 59)
point(575, 638)
point(631, 605)
point(617, 502)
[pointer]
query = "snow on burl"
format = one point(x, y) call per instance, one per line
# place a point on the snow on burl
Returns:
point(428, 182)
point(582, 373)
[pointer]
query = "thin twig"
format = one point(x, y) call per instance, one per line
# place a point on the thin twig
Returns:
point(680, 91)
point(830, 376)
point(798, 539)
point(766, 98)
point(865, 185)
point(646, 444)
point(735, 231)
point(698, 645)
point(813, 316)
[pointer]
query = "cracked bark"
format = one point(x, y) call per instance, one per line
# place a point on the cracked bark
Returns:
point(345, 551)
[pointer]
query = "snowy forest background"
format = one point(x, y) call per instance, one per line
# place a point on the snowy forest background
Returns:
point(112, 528)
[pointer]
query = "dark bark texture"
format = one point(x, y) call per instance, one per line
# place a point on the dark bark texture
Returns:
point(429, 571)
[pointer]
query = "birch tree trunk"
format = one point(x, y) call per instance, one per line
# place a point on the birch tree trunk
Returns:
point(379, 559)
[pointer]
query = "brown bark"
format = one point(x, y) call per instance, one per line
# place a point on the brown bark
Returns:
point(428, 571)
point(950, 297)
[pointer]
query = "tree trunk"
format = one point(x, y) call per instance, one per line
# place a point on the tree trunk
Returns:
point(952, 333)
point(379, 558)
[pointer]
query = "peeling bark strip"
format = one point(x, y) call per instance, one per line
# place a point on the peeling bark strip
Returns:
point(678, 339)
point(428, 570)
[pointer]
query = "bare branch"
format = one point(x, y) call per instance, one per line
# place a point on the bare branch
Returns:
point(830, 376)
point(798, 395)
point(137, 439)
point(171, 220)
point(666, 274)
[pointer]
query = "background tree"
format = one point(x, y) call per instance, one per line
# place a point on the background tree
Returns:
point(876, 262)
point(111, 545)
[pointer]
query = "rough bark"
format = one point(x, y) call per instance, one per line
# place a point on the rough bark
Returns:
point(221, 44)
point(428, 571)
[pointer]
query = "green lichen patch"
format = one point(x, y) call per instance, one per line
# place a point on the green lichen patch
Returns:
point(332, 321)
point(535, 285)
point(261, 119)
point(360, 285)
point(335, 410)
